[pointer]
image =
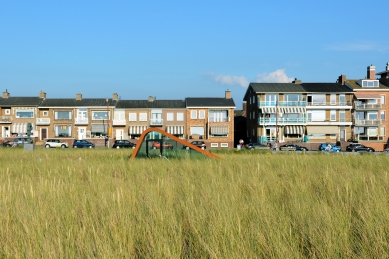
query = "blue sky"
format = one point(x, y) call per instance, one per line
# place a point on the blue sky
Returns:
point(178, 49)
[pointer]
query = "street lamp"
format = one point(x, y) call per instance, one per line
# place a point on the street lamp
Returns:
point(106, 100)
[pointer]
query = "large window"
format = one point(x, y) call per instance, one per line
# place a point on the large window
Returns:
point(372, 115)
point(132, 116)
point(193, 114)
point(169, 116)
point(318, 115)
point(194, 130)
point(24, 113)
point(142, 116)
point(100, 115)
point(318, 99)
point(63, 130)
point(82, 113)
point(180, 116)
point(218, 115)
point(271, 99)
point(63, 115)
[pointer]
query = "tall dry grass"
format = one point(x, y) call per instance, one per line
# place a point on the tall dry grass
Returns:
point(99, 204)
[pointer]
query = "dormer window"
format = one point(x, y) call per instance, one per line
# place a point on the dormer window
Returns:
point(370, 83)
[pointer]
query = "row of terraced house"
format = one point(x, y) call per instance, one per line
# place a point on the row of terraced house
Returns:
point(347, 110)
point(97, 119)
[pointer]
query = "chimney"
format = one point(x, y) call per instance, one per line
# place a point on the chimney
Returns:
point(228, 94)
point(297, 82)
point(42, 95)
point(78, 97)
point(151, 98)
point(371, 72)
point(387, 66)
point(115, 97)
point(5, 94)
point(341, 79)
point(244, 107)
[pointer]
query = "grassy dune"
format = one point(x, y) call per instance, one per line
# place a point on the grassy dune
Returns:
point(99, 204)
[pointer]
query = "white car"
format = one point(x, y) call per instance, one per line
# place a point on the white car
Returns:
point(52, 143)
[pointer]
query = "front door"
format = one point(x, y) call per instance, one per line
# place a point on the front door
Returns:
point(342, 135)
point(43, 134)
point(6, 132)
point(81, 133)
point(119, 134)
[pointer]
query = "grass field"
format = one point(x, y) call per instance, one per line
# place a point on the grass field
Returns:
point(98, 204)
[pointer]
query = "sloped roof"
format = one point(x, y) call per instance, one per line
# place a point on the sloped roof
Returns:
point(209, 102)
point(167, 104)
point(325, 88)
point(71, 102)
point(354, 85)
point(277, 87)
point(20, 101)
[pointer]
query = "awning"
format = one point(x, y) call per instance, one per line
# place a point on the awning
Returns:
point(269, 110)
point(322, 129)
point(20, 127)
point(294, 110)
point(136, 130)
point(102, 128)
point(293, 130)
point(219, 130)
point(367, 96)
point(175, 129)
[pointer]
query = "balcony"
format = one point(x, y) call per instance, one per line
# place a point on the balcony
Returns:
point(156, 122)
point(365, 106)
point(281, 121)
point(81, 121)
point(42, 121)
point(217, 119)
point(119, 122)
point(358, 122)
point(5, 119)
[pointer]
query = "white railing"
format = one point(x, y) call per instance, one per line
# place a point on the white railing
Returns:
point(42, 121)
point(154, 122)
point(5, 119)
point(81, 121)
point(119, 122)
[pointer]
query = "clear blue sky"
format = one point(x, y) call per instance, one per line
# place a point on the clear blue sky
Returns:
point(178, 49)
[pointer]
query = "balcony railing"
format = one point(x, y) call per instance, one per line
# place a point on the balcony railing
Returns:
point(156, 122)
point(283, 104)
point(366, 106)
point(81, 121)
point(5, 119)
point(42, 121)
point(213, 119)
point(369, 137)
point(358, 122)
point(273, 121)
point(119, 122)
point(328, 104)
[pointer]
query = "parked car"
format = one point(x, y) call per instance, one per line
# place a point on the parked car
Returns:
point(15, 142)
point(292, 147)
point(123, 144)
point(199, 144)
point(356, 147)
point(52, 143)
point(156, 145)
point(252, 145)
point(330, 147)
point(80, 143)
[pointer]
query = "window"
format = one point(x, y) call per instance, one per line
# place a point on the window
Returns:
point(63, 115)
point(82, 113)
point(372, 131)
point(332, 99)
point(100, 115)
point(193, 114)
point(333, 115)
point(24, 113)
point(7, 111)
point(63, 130)
point(45, 113)
point(132, 116)
point(372, 115)
point(382, 131)
point(383, 115)
point(194, 130)
point(142, 116)
point(119, 115)
point(223, 144)
point(318, 99)
point(383, 97)
point(342, 115)
point(318, 115)
point(214, 145)
point(180, 116)
point(369, 83)
point(220, 115)
point(201, 114)
point(169, 116)
point(342, 99)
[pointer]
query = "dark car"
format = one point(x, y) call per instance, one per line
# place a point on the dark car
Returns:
point(292, 147)
point(356, 147)
point(252, 145)
point(81, 143)
point(123, 144)
point(199, 144)
point(15, 142)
